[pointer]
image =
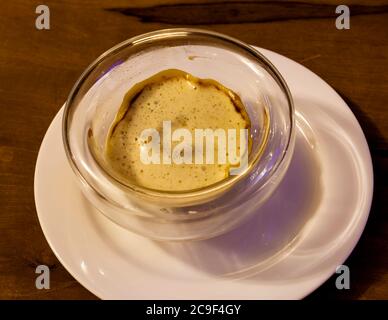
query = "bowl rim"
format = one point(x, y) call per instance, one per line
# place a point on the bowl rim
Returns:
point(157, 35)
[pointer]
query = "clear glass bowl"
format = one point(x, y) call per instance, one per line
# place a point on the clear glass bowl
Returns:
point(202, 213)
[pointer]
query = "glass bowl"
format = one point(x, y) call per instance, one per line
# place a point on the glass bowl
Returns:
point(196, 214)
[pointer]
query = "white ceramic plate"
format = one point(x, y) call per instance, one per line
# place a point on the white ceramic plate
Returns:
point(308, 228)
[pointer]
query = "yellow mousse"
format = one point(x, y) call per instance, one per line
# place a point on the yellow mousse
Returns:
point(186, 101)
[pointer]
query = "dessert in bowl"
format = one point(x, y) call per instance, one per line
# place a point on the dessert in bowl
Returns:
point(136, 131)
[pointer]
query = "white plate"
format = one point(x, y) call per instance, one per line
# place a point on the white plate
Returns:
point(308, 228)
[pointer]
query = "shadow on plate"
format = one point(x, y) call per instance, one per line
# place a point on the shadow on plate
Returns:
point(271, 233)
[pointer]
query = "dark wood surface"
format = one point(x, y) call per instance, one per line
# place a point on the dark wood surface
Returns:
point(38, 69)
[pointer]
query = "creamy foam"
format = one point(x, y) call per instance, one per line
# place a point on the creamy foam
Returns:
point(188, 102)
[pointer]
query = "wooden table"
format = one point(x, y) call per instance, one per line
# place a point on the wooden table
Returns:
point(38, 69)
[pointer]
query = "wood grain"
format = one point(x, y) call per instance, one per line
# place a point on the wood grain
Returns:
point(239, 12)
point(38, 69)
